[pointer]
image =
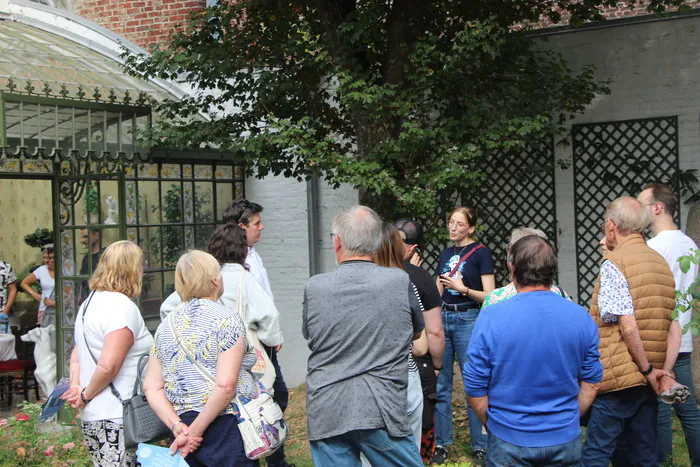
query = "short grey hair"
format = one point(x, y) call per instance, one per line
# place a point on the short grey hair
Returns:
point(628, 214)
point(522, 232)
point(359, 229)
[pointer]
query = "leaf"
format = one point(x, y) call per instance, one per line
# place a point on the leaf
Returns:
point(685, 262)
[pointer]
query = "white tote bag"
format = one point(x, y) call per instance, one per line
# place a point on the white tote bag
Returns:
point(263, 370)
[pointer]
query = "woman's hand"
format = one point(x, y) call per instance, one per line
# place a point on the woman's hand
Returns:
point(454, 283)
point(72, 393)
point(185, 441)
point(49, 302)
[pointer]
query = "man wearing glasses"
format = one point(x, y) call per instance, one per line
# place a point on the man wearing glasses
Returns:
point(247, 216)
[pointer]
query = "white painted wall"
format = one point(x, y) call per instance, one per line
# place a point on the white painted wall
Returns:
point(284, 249)
point(655, 71)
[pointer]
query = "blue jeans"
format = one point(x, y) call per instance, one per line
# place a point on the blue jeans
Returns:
point(379, 448)
point(622, 428)
point(458, 331)
point(503, 454)
point(687, 412)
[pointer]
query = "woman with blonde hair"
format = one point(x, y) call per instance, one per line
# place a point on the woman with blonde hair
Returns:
point(201, 412)
point(110, 337)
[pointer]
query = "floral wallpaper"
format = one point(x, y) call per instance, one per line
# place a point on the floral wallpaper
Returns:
point(25, 205)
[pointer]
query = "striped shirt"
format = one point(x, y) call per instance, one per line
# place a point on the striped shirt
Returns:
point(207, 329)
point(411, 362)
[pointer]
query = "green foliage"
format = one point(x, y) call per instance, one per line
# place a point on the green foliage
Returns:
point(172, 206)
point(406, 101)
point(91, 198)
point(39, 238)
point(689, 300)
point(22, 443)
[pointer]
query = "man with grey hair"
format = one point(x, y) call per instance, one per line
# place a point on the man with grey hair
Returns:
point(359, 321)
point(632, 304)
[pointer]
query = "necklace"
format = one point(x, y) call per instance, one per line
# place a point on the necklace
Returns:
point(460, 253)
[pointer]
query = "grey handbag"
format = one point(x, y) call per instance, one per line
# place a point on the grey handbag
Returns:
point(141, 424)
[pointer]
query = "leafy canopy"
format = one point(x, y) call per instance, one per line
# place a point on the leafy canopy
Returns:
point(406, 100)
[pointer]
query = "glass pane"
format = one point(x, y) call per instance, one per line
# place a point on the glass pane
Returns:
point(68, 343)
point(9, 165)
point(238, 172)
point(132, 235)
point(224, 196)
point(170, 171)
point(132, 202)
point(151, 293)
point(187, 171)
point(171, 202)
point(148, 203)
point(203, 202)
point(38, 166)
point(97, 131)
point(188, 203)
point(224, 172)
point(149, 241)
point(173, 245)
point(169, 283)
point(203, 172)
point(189, 238)
point(109, 202)
point(80, 130)
point(111, 137)
point(148, 171)
point(70, 305)
point(202, 235)
point(239, 190)
point(68, 253)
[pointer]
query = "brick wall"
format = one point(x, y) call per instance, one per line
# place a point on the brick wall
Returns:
point(144, 22)
point(622, 10)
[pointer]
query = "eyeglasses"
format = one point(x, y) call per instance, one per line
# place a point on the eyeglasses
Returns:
point(332, 236)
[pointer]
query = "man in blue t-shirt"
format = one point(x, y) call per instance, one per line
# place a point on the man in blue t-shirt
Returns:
point(533, 366)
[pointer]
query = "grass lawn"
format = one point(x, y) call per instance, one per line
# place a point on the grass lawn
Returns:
point(297, 448)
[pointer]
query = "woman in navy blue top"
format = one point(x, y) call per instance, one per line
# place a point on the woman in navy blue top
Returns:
point(464, 278)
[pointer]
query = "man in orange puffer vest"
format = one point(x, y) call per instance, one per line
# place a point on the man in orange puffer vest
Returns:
point(632, 304)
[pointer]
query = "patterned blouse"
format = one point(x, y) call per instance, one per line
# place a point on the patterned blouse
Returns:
point(504, 293)
point(7, 277)
point(207, 329)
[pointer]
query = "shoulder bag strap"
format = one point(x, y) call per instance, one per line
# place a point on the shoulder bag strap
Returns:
point(464, 258)
point(189, 355)
point(111, 386)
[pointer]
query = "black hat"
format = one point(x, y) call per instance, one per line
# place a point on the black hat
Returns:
point(412, 230)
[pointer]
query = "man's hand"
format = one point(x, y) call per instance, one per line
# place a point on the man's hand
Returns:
point(654, 379)
point(666, 383)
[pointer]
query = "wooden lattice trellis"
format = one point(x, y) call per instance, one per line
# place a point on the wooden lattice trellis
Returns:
point(519, 192)
point(613, 159)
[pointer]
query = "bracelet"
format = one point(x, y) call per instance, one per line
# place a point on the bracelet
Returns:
point(437, 369)
point(82, 397)
point(172, 428)
point(648, 371)
point(466, 294)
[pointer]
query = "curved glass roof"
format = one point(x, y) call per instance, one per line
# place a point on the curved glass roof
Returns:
point(40, 63)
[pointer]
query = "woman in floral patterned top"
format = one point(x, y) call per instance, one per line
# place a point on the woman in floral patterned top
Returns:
point(504, 293)
point(200, 413)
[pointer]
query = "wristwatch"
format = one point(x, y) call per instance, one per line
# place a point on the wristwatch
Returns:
point(648, 370)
